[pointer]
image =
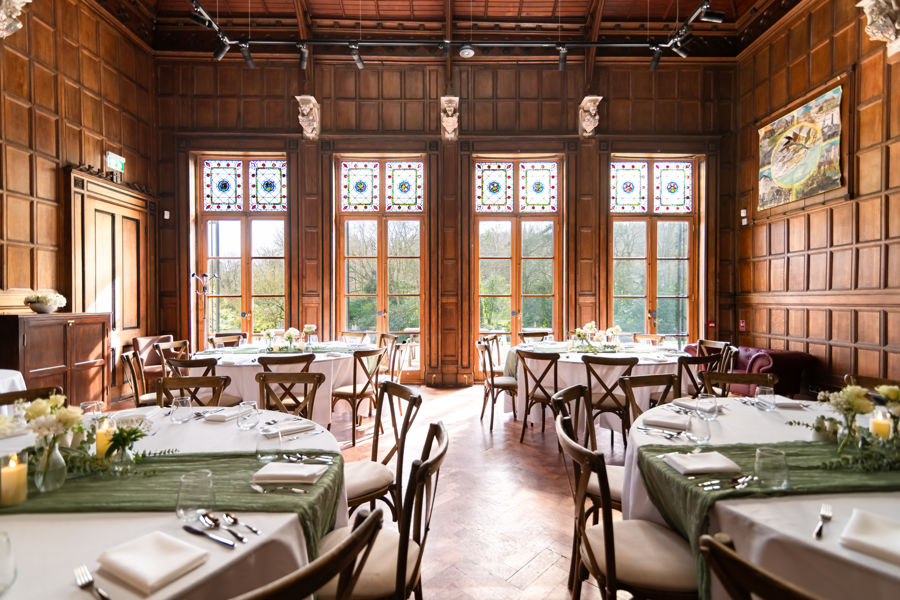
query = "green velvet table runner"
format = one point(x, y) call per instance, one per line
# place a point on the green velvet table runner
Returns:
point(686, 506)
point(154, 481)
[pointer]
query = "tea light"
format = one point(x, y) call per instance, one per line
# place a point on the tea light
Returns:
point(14, 481)
point(104, 437)
point(880, 424)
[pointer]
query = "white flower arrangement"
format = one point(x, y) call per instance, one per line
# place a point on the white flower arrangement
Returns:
point(8, 425)
point(891, 393)
point(292, 335)
point(268, 335)
point(613, 331)
point(851, 401)
point(309, 328)
point(49, 418)
point(57, 300)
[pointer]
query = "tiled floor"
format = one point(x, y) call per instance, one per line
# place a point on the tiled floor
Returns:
point(502, 527)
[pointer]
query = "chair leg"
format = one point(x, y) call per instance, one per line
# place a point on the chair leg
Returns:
point(513, 396)
point(353, 423)
point(543, 417)
point(524, 422)
point(576, 584)
point(484, 402)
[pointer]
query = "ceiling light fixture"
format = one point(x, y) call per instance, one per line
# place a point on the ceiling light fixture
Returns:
point(245, 50)
point(354, 52)
point(223, 48)
point(657, 53)
point(304, 56)
point(200, 20)
point(467, 50)
point(680, 51)
point(561, 48)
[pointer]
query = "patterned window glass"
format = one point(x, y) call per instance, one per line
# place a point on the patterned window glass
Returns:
point(222, 189)
point(404, 186)
point(359, 186)
point(268, 185)
point(493, 187)
point(538, 187)
point(628, 187)
point(673, 190)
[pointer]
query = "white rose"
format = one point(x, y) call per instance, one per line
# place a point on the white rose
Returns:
point(38, 408)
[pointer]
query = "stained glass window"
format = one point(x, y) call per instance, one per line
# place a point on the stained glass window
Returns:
point(404, 186)
point(493, 187)
point(268, 185)
point(628, 187)
point(222, 189)
point(538, 187)
point(359, 186)
point(673, 190)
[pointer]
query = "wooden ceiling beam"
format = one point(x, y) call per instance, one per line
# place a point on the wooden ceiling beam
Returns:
point(591, 54)
point(302, 19)
point(448, 35)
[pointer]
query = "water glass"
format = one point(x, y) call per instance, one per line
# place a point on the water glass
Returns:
point(269, 449)
point(765, 398)
point(195, 495)
point(698, 430)
point(248, 416)
point(181, 410)
point(707, 407)
point(7, 563)
point(771, 469)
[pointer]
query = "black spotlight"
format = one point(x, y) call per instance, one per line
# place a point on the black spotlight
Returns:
point(222, 50)
point(245, 50)
point(304, 56)
point(200, 20)
point(654, 62)
point(354, 52)
point(712, 16)
point(563, 52)
point(677, 49)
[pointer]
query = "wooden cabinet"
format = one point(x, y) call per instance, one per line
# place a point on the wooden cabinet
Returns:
point(70, 350)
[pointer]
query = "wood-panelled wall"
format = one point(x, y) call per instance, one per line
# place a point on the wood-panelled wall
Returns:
point(825, 278)
point(73, 84)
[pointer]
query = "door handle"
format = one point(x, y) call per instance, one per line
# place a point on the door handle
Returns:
point(246, 314)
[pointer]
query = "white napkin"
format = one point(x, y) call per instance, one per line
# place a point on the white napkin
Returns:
point(873, 534)
point(151, 561)
point(287, 428)
point(335, 354)
point(671, 421)
point(227, 361)
point(691, 403)
point(655, 358)
point(282, 472)
point(701, 462)
point(232, 412)
point(782, 402)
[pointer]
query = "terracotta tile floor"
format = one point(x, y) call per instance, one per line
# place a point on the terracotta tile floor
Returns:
point(502, 526)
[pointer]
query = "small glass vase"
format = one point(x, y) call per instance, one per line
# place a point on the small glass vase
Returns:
point(121, 461)
point(51, 469)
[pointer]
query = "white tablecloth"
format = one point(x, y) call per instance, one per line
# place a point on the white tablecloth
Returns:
point(47, 547)
point(776, 533)
point(11, 381)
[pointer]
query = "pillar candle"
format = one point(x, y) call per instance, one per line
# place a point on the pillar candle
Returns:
point(14, 481)
point(880, 427)
point(104, 438)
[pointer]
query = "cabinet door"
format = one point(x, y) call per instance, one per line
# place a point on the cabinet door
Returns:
point(89, 374)
point(45, 353)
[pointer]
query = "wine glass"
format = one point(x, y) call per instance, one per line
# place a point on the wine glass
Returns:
point(248, 416)
point(196, 494)
point(707, 407)
point(181, 410)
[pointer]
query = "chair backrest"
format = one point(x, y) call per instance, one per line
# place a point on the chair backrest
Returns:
point(568, 401)
point(707, 347)
point(365, 363)
point(133, 368)
point(387, 340)
point(729, 354)
point(487, 363)
point(180, 367)
point(227, 340)
point(400, 423)
point(690, 382)
point(30, 394)
point(493, 342)
point(653, 339)
point(533, 336)
point(341, 562)
point(144, 348)
point(300, 361)
point(629, 383)
point(741, 578)
point(719, 383)
point(275, 388)
point(165, 350)
point(191, 385)
point(870, 383)
point(418, 505)
point(541, 376)
point(395, 359)
point(353, 337)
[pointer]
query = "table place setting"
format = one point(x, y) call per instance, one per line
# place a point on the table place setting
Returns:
point(873, 535)
point(151, 561)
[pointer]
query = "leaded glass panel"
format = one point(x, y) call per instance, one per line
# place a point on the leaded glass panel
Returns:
point(493, 187)
point(673, 190)
point(222, 189)
point(359, 186)
point(404, 186)
point(538, 187)
point(628, 187)
point(268, 185)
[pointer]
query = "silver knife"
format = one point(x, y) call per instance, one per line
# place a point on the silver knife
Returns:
point(197, 531)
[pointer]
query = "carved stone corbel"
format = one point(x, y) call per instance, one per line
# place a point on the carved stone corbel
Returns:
point(309, 117)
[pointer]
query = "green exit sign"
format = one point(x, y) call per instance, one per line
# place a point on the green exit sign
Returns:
point(115, 162)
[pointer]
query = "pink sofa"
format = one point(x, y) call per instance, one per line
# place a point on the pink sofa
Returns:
point(794, 369)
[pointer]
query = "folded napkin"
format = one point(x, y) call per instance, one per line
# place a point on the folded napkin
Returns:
point(782, 402)
point(691, 403)
point(282, 472)
point(672, 421)
point(701, 462)
point(335, 354)
point(151, 561)
point(287, 428)
point(230, 362)
point(227, 414)
point(873, 534)
point(655, 358)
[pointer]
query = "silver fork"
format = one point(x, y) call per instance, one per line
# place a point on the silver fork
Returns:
point(85, 581)
point(824, 515)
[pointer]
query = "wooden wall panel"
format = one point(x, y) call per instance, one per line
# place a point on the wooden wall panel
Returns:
point(840, 250)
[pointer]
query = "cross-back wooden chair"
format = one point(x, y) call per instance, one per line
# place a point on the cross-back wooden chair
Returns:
point(388, 341)
point(133, 368)
point(688, 378)
point(707, 347)
point(404, 548)
point(719, 383)
point(293, 363)
point(632, 382)
point(203, 391)
point(276, 392)
point(153, 365)
point(533, 336)
point(741, 578)
point(364, 386)
point(179, 350)
point(30, 394)
point(604, 394)
point(641, 557)
point(727, 361)
point(340, 563)
point(541, 382)
point(182, 368)
point(227, 341)
point(494, 384)
point(493, 343)
point(373, 479)
point(652, 339)
point(354, 337)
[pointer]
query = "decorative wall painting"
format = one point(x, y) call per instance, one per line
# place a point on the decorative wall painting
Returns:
point(800, 153)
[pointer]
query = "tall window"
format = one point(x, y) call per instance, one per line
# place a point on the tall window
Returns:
point(380, 236)
point(243, 206)
point(653, 247)
point(517, 246)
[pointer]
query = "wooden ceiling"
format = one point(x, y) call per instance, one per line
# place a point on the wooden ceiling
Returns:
point(165, 24)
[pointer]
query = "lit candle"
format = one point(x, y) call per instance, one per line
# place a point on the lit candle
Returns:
point(104, 438)
point(14, 481)
point(880, 424)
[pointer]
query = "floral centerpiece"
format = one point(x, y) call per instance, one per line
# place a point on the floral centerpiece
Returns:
point(612, 335)
point(269, 337)
point(291, 336)
point(851, 401)
point(50, 419)
point(120, 452)
point(308, 330)
point(45, 303)
point(889, 396)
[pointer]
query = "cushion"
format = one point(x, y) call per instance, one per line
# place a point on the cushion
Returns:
point(608, 403)
point(615, 474)
point(224, 399)
point(145, 399)
point(144, 348)
point(648, 555)
point(364, 477)
point(379, 576)
point(505, 382)
point(351, 391)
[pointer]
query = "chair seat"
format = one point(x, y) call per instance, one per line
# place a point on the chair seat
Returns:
point(145, 399)
point(608, 403)
point(539, 396)
point(616, 476)
point(505, 383)
point(224, 399)
point(364, 477)
point(648, 556)
point(351, 391)
point(379, 575)
point(658, 398)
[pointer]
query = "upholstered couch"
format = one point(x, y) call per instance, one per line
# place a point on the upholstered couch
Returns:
point(794, 369)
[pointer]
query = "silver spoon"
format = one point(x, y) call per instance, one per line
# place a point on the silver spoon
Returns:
point(232, 519)
point(258, 488)
point(211, 521)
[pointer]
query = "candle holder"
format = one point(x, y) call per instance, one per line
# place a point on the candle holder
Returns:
point(881, 423)
point(13, 478)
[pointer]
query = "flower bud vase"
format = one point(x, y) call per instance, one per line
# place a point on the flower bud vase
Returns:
point(51, 470)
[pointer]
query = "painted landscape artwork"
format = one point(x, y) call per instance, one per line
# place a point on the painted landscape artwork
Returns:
point(800, 153)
